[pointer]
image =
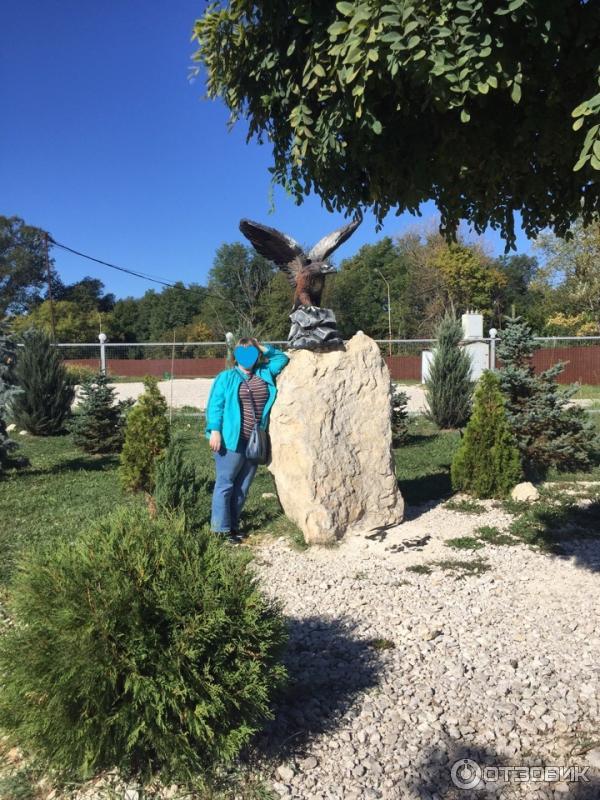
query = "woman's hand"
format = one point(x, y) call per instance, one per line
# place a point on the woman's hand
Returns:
point(215, 441)
point(260, 346)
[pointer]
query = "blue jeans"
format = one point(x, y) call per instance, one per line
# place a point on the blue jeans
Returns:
point(234, 476)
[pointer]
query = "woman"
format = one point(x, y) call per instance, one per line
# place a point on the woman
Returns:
point(239, 396)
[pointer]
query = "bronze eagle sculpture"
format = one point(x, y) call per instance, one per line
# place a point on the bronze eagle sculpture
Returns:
point(306, 272)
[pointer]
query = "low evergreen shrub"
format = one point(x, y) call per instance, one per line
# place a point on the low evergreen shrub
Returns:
point(139, 646)
point(44, 404)
point(146, 437)
point(449, 387)
point(183, 485)
point(487, 462)
point(399, 416)
point(99, 425)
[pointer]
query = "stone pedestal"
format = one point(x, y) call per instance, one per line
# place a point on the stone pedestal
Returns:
point(331, 442)
point(313, 328)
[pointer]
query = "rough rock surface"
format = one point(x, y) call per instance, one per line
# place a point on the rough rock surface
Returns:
point(525, 493)
point(331, 442)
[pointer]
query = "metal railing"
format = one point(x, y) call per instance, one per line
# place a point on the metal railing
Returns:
point(581, 355)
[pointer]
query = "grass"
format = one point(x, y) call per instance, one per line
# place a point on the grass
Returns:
point(492, 535)
point(466, 506)
point(419, 569)
point(464, 543)
point(459, 568)
point(423, 463)
point(463, 568)
point(56, 496)
point(64, 490)
point(586, 392)
point(381, 644)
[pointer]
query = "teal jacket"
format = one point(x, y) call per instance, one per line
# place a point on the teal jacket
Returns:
point(223, 411)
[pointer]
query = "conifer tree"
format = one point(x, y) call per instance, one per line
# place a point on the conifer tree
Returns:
point(449, 386)
point(487, 463)
point(99, 427)
point(7, 391)
point(44, 403)
point(146, 437)
point(548, 431)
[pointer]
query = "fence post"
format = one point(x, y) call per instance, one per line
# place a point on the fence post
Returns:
point(493, 334)
point(102, 337)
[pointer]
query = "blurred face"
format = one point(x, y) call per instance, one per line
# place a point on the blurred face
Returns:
point(246, 355)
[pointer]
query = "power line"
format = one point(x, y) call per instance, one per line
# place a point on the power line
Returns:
point(142, 275)
point(204, 291)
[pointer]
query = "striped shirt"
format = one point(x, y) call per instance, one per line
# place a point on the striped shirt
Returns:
point(260, 394)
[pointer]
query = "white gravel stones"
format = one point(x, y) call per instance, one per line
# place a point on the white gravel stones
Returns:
point(396, 675)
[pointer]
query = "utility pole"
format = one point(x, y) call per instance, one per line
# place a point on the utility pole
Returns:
point(389, 305)
point(52, 320)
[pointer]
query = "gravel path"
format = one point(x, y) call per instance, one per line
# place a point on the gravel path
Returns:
point(194, 392)
point(397, 674)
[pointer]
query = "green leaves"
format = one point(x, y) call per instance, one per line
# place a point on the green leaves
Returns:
point(448, 76)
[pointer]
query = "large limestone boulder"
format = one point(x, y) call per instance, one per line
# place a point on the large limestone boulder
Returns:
point(332, 442)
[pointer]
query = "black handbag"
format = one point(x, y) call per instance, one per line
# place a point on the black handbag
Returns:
point(257, 449)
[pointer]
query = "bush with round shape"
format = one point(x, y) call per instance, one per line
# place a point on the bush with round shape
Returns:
point(140, 647)
point(44, 404)
point(146, 437)
point(487, 463)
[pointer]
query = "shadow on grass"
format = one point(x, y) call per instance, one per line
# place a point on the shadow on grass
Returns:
point(328, 667)
point(433, 774)
point(566, 530)
point(78, 464)
point(424, 488)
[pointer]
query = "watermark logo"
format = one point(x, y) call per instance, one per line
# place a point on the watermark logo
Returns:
point(468, 774)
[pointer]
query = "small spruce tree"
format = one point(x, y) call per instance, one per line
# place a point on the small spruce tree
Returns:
point(487, 463)
point(44, 404)
point(549, 432)
point(8, 354)
point(99, 425)
point(182, 485)
point(146, 437)
point(449, 387)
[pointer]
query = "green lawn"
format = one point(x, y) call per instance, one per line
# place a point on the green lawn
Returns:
point(64, 490)
point(588, 393)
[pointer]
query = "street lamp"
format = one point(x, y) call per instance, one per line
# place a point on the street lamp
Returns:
point(389, 305)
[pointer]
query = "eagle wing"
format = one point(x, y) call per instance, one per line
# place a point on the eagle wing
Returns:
point(278, 247)
point(325, 247)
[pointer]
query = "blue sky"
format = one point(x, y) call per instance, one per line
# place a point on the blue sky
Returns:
point(107, 144)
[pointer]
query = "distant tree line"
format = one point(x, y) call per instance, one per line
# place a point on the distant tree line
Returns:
point(557, 291)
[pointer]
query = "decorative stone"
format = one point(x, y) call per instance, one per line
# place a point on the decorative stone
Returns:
point(331, 442)
point(10, 428)
point(525, 493)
